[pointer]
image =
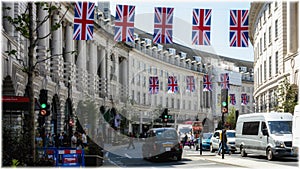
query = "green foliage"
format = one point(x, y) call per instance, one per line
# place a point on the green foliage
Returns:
point(230, 119)
point(287, 95)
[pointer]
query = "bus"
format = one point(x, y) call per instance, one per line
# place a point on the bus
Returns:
point(197, 128)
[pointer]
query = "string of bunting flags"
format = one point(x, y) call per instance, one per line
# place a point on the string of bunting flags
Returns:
point(163, 25)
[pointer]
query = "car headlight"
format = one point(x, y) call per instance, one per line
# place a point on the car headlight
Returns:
point(279, 144)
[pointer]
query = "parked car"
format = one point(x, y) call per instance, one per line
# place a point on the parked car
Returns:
point(205, 141)
point(162, 143)
point(215, 140)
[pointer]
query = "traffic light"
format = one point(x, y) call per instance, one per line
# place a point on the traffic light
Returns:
point(165, 115)
point(44, 106)
point(224, 101)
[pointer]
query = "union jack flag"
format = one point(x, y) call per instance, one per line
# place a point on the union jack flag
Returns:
point(172, 84)
point(201, 26)
point(232, 99)
point(190, 83)
point(244, 99)
point(153, 85)
point(163, 24)
point(83, 21)
point(225, 81)
point(206, 83)
point(124, 23)
point(239, 28)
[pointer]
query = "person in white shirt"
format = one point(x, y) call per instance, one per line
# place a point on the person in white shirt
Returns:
point(192, 140)
point(74, 140)
point(84, 140)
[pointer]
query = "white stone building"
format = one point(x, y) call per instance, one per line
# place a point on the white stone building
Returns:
point(274, 32)
point(105, 73)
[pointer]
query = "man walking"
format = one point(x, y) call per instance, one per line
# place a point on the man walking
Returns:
point(225, 143)
point(130, 141)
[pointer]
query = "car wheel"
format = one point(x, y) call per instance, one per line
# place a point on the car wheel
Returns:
point(211, 148)
point(243, 152)
point(270, 156)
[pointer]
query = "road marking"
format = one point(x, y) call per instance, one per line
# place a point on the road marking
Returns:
point(127, 155)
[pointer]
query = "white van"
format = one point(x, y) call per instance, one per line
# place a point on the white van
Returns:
point(296, 129)
point(267, 134)
point(183, 129)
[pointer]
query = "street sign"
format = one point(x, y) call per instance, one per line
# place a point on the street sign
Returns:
point(15, 103)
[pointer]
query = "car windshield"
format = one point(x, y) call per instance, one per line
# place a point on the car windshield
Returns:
point(185, 130)
point(230, 134)
point(165, 134)
point(280, 127)
point(207, 135)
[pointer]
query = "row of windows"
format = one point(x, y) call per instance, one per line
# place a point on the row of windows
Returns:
point(264, 15)
point(264, 67)
point(143, 100)
point(262, 44)
point(267, 100)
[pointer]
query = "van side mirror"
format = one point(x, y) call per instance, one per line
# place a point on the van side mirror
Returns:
point(265, 132)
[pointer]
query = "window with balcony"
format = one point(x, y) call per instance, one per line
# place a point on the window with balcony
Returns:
point(276, 63)
point(276, 29)
point(270, 66)
point(270, 35)
point(265, 41)
point(260, 45)
point(173, 103)
point(144, 98)
point(265, 70)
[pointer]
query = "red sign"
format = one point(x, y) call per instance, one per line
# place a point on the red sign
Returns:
point(15, 99)
point(15, 103)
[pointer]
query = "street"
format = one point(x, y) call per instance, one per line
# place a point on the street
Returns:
point(120, 156)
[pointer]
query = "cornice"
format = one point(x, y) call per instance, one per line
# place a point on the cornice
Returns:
point(253, 15)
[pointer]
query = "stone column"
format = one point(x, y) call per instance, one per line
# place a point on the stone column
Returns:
point(92, 69)
point(81, 65)
point(42, 43)
point(57, 58)
point(69, 48)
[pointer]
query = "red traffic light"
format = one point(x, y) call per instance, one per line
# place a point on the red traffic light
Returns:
point(224, 110)
point(43, 112)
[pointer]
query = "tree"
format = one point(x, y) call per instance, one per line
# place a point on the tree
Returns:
point(28, 27)
point(230, 119)
point(287, 96)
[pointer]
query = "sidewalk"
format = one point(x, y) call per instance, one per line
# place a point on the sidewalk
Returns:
point(240, 162)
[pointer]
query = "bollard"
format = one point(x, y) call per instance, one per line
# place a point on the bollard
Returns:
point(200, 146)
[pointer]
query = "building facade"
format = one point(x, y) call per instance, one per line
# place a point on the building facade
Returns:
point(274, 32)
point(83, 76)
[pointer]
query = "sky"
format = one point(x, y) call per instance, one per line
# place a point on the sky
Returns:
point(182, 23)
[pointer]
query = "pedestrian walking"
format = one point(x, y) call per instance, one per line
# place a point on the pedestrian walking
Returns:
point(61, 139)
point(74, 140)
point(192, 141)
point(84, 139)
point(79, 141)
point(131, 136)
point(225, 143)
point(185, 139)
